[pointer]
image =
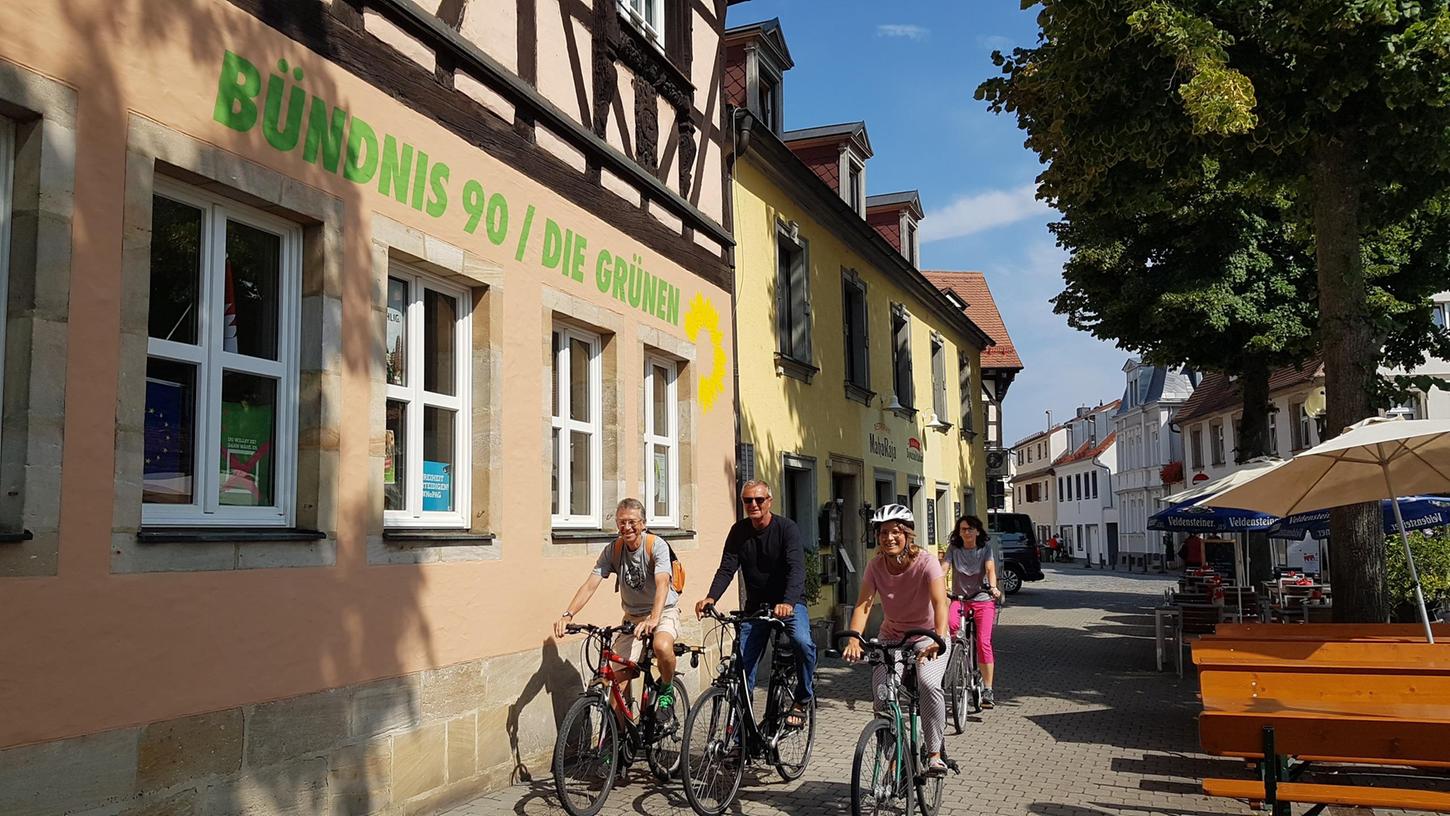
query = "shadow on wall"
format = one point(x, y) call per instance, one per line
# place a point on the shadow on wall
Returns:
point(562, 681)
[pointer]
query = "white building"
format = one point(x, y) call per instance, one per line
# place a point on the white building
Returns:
point(1033, 486)
point(1147, 441)
point(1434, 404)
point(1087, 512)
point(1210, 419)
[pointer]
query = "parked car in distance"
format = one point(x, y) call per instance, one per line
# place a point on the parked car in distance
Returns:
point(1016, 543)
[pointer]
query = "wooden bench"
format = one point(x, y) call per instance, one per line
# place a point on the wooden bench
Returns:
point(1289, 703)
point(1410, 632)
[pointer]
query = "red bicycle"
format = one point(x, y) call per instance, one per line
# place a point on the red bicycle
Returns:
point(604, 732)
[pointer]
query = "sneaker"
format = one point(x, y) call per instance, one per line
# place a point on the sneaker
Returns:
point(665, 703)
point(988, 701)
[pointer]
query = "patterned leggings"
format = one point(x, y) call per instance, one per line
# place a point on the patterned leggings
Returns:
point(928, 691)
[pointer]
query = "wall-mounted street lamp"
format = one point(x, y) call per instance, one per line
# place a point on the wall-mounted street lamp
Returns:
point(1315, 406)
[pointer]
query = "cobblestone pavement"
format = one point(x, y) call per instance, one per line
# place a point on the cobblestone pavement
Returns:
point(1084, 725)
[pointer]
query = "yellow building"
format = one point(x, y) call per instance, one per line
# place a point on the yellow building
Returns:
point(858, 379)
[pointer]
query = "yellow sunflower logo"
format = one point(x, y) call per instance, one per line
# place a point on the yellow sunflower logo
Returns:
point(702, 316)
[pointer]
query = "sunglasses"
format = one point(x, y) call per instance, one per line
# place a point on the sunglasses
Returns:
point(755, 499)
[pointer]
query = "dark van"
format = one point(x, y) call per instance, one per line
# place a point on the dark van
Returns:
point(1016, 544)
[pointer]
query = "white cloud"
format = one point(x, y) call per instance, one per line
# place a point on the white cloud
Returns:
point(910, 32)
point(976, 212)
point(995, 42)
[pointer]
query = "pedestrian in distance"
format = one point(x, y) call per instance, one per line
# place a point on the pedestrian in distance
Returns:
point(767, 550)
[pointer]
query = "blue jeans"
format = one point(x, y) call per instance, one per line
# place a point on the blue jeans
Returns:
point(754, 636)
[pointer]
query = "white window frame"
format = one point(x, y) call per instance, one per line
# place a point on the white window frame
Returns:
point(594, 428)
point(670, 440)
point(7, 205)
point(637, 12)
point(210, 361)
point(418, 400)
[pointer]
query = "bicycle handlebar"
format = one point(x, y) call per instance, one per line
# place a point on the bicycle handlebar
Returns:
point(906, 639)
point(736, 618)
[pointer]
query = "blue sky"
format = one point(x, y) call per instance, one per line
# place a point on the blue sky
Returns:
point(909, 70)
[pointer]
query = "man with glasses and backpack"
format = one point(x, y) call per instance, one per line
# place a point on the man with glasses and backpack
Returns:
point(648, 578)
point(768, 552)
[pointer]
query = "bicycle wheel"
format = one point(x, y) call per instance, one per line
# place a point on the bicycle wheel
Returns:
point(712, 755)
point(928, 788)
point(955, 687)
point(586, 755)
point(664, 749)
point(792, 745)
point(880, 784)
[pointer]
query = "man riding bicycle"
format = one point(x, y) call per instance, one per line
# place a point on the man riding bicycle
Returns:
point(642, 560)
point(767, 551)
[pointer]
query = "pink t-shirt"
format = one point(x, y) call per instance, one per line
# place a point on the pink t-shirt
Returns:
point(905, 598)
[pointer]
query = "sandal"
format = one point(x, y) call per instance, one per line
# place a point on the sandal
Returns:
point(797, 716)
point(936, 766)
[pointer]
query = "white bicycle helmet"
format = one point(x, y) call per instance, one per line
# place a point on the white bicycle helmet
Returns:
point(892, 512)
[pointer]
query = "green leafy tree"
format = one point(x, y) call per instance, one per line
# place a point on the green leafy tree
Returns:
point(1138, 106)
point(1432, 561)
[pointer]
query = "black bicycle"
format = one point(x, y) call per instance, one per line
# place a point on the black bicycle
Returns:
point(722, 735)
point(892, 755)
point(603, 732)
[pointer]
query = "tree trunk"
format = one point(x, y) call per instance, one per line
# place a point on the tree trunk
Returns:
point(1350, 369)
point(1252, 440)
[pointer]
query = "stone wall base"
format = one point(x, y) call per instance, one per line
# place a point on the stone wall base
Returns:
point(408, 745)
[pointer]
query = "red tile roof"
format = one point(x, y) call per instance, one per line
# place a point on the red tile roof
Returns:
point(1217, 393)
point(1087, 450)
point(982, 309)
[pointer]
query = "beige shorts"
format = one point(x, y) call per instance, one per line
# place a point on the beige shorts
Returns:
point(628, 646)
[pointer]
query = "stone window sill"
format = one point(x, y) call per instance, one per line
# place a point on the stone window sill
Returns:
point(791, 367)
point(16, 537)
point(404, 536)
point(229, 535)
point(859, 394)
point(672, 532)
point(904, 413)
point(587, 536)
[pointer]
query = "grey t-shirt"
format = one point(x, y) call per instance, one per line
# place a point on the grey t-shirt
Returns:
point(636, 579)
point(969, 568)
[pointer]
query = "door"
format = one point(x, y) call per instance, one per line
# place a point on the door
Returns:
point(1112, 543)
point(846, 492)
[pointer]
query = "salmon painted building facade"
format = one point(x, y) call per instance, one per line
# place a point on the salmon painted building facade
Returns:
point(334, 333)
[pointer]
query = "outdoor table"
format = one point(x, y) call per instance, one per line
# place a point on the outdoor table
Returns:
point(1165, 620)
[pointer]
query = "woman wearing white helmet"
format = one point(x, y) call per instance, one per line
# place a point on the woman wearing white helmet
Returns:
point(913, 596)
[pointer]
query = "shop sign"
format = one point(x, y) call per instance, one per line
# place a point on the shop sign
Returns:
point(913, 449)
point(293, 120)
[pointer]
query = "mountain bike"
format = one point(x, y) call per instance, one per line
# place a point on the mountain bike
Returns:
point(888, 773)
point(603, 732)
point(722, 735)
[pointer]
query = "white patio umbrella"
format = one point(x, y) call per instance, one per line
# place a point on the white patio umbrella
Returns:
point(1252, 469)
point(1372, 460)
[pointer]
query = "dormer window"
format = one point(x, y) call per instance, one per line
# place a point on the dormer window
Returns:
point(768, 98)
point(646, 15)
point(855, 187)
point(908, 239)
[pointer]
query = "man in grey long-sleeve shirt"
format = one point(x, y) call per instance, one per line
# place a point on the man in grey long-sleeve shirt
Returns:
point(767, 551)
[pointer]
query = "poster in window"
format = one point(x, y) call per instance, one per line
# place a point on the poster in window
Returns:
point(390, 453)
point(166, 472)
point(437, 487)
point(662, 482)
point(246, 464)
